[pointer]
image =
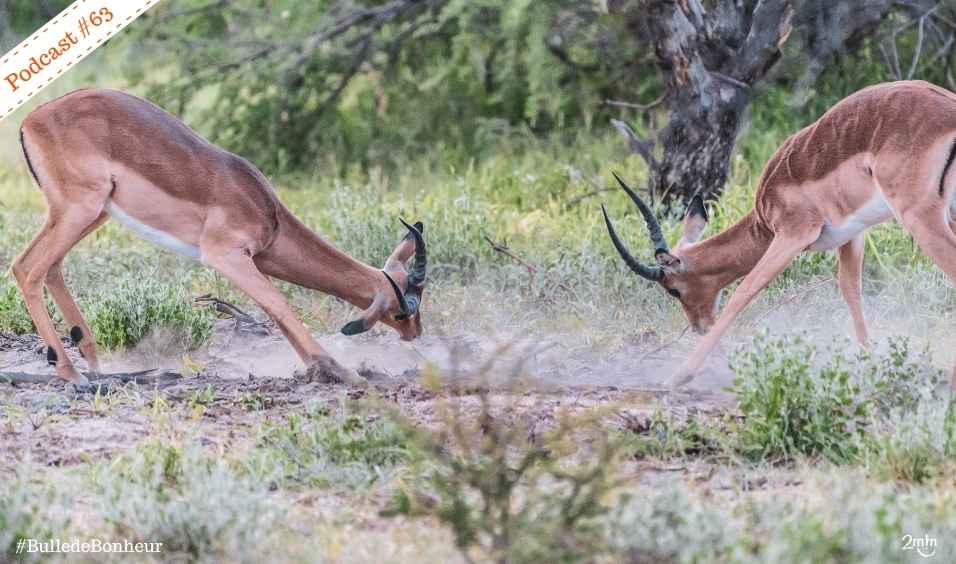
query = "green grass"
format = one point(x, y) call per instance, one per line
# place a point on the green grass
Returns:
point(535, 195)
point(124, 315)
point(331, 450)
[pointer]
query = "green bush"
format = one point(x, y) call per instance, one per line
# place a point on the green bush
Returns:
point(667, 526)
point(331, 450)
point(27, 511)
point(14, 316)
point(507, 497)
point(914, 445)
point(790, 406)
point(122, 316)
point(794, 401)
point(664, 436)
point(195, 505)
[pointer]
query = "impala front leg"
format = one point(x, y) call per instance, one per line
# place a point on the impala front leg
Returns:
point(781, 253)
point(850, 280)
point(237, 266)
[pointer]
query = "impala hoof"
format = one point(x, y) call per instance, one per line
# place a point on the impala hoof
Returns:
point(81, 384)
point(680, 379)
point(327, 370)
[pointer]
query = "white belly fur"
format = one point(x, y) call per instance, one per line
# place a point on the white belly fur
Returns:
point(875, 210)
point(151, 234)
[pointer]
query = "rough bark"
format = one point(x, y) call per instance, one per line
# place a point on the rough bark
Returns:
point(710, 60)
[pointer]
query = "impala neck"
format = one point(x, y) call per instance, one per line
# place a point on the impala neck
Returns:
point(300, 256)
point(730, 254)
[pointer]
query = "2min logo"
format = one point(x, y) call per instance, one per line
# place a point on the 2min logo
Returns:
point(925, 545)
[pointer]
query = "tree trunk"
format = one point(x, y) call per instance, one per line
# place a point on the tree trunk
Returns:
point(698, 140)
point(710, 60)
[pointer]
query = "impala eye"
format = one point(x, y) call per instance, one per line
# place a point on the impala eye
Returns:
point(674, 293)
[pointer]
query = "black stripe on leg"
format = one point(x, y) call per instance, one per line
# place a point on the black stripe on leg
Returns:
point(949, 161)
point(51, 356)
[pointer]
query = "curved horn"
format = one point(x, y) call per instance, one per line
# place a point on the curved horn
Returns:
point(652, 273)
point(416, 276)
point(402, 303)
point(653, 227)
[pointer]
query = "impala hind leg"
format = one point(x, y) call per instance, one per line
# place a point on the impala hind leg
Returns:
point(57, 236)
point(931, 232)
point(80, 331)
point(237, 266)
point(780, 253)
point(850, 279)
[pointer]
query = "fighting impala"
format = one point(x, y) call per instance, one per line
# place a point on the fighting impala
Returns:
point(97, 154)
point(883, 152)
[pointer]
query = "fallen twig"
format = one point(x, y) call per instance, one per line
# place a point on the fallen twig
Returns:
point(575, 200)
point(231, 311)
point(790, 299)
point(665, 345)
point(503, 249)
point(142, 377)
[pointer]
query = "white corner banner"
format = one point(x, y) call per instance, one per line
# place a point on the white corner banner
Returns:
point(57, 46)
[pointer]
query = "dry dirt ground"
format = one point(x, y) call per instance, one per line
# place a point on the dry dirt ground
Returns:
point(243, 379)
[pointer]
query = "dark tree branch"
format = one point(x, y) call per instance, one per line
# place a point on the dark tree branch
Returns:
point(642, 147)
point(642, 107)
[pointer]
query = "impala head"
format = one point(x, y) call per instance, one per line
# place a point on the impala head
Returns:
point(697, 293)
point(399, 307)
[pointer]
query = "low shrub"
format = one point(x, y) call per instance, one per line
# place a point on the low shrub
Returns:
point(913, 445)
point(125, 314)
point(14, 316)
point(665, 436)
point(796, 401)
point(511, 494)
point(323, 449)
point(792, 406)
point(194, 504)
point(27, 511)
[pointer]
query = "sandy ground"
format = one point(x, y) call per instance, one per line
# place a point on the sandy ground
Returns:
point(248, 377)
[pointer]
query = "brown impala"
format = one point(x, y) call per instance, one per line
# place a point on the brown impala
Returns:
point(884, 152)
point(97, 154)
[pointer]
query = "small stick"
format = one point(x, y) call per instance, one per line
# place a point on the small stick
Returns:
point(792, 298)
point(507, 252)
point(574, 201)
point(634, 106)
point(139, 377)
point(665, 345)
point(228, 309)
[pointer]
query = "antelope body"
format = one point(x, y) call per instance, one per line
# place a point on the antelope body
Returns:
point(884, 152)
point(97, 154)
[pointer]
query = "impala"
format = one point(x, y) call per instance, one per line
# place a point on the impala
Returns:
point(97, 154)
point(883, 152)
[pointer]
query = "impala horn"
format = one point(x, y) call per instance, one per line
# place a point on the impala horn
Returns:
point(653, 227)
point(418, 272)
point(379, 307)
point(402, 299)
point(652, 273)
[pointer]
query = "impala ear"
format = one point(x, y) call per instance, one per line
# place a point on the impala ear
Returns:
point(695, 221)
point(368, 318)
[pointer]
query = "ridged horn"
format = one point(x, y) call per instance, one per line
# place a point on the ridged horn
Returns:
point(418, 271)
point(653, 227)
point(402, 303)
point(652, 273)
